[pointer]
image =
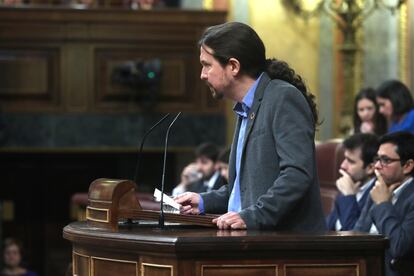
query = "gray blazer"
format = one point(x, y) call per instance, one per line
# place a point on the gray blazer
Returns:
point(278, 180)
point(396, 222)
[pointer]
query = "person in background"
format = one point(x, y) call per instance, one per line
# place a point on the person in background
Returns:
point(273, 181)
point(12, 258)
point(11, 2)
point(396, 104)
point(151, 4)
point(222, 164)
point(390, 209)
point(367, 118)
point(357, 179)
point(189, 175)
point(206, 157)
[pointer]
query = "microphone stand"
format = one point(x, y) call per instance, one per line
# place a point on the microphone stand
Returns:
point(140, 151)
point(142, 145)
point(161, 219)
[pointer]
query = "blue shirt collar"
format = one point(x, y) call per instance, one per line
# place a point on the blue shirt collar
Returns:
point(242, 108)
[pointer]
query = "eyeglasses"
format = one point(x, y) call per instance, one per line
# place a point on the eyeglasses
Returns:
point(384, 160)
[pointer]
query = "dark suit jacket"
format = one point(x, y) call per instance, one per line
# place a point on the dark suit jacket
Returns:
point(393, 221)
point(198, 186)
point(279, 188)
point(348, 210)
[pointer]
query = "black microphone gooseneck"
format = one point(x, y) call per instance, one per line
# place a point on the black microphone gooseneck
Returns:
point(161, 219)
point(142, 145)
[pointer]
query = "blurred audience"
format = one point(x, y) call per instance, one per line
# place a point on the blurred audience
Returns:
point(396, 104)
point(134, 4)
point(222, 164)
point(150, 4)
point(11, 2)
point(367, 118)
point(357, 179)
point(12, 257)
point(189, 175)
point(206, 157)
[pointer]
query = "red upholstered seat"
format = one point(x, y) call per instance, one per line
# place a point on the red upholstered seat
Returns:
point(329, 156)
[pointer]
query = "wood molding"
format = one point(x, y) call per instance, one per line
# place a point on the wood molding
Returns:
point(30, 76)
point(64, 57)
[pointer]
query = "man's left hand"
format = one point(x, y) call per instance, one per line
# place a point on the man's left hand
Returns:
point(230, 220)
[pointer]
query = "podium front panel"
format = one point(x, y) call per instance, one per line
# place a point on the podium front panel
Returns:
point(188, 250)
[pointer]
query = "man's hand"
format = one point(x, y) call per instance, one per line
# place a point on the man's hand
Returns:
point(381, 192)
point(346, 185)
point(230, 220)
point(189, 203)
point(367, 127)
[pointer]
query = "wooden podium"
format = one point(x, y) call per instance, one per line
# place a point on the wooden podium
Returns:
point(102, 247)
point(113, 200)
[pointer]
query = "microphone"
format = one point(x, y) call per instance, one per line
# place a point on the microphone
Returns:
point(161, 219)
point(142, 145)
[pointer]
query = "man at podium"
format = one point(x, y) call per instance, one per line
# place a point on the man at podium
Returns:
point(272, 173)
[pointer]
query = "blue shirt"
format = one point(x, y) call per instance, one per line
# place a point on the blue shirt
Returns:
point(406, 124)
point(242, 110)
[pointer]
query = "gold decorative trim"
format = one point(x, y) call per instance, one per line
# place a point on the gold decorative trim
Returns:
point(80, 254)
point(359, 62)
point(156, 265)
point(404, 56)
point(241, 266)
point(92, 266)
point(75, 265)
point(357, 269)
point(100, 201)
point(88, 217)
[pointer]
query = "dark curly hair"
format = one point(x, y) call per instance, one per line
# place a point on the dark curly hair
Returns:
point(278, 69)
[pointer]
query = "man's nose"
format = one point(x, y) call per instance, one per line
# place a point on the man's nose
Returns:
point(377, 165)
point(343, 165)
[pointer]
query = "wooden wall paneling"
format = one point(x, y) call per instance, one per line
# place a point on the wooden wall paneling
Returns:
point(20, 25)
point(30, 78)
point(87, 43)
point(240, 270)
point(81, 264)
point(110, 267)
point(339, 269)
point(177, 81)
point(77, 75)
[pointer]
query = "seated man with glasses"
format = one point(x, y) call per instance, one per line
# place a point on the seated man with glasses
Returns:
point(390, 209)
point(358, 178)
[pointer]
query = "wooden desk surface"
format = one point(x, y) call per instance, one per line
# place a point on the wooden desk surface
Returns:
point(183, 238)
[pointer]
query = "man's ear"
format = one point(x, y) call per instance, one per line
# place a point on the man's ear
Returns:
point(234, 66)
point(408, 167)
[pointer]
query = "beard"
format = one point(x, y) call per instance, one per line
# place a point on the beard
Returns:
point(214, 93)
